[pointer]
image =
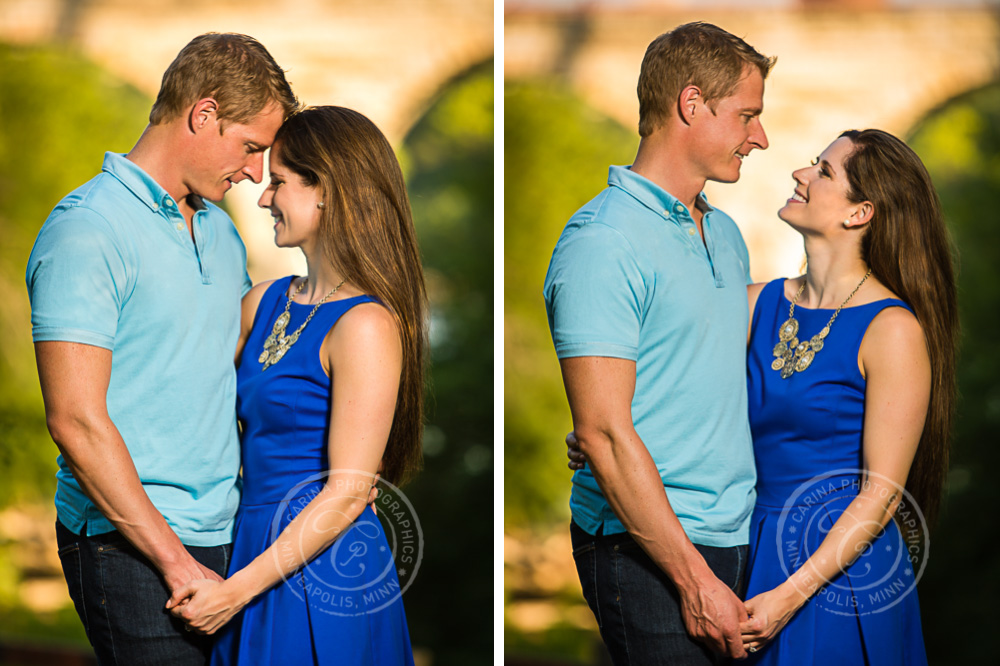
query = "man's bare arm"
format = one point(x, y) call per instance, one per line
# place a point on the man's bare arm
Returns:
point(600, 392)
point(74, 379)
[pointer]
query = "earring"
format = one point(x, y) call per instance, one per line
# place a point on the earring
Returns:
point(847, 223)
point(321, 205)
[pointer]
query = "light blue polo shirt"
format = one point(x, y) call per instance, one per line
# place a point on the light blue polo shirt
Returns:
point(114, 266)
point(631, 278)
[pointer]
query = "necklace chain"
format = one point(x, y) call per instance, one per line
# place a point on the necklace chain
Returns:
point(278, 344)
point(792, 356)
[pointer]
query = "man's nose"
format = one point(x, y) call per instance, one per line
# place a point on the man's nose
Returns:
point(759, 137)
point(254, 169)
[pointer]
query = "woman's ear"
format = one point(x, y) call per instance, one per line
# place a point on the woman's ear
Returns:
point(861, 216)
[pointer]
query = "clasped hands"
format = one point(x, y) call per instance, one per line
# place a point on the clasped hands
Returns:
point(206, 602)
point(205, 605)
point(715, 616)
point(760, 618)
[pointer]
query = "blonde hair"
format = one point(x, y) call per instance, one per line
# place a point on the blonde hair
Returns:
point(368, 235)
point(698, 54)
point(235, 70)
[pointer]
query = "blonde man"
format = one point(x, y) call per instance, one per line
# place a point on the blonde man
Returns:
point(646, 298)
point(135, 282)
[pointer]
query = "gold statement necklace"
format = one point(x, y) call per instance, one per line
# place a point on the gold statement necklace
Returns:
point(278, 344)
point(793, 356)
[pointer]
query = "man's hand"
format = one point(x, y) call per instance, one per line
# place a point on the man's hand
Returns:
point(712, 615)
point(206, 605)
point(186, 571)
point(577, 459)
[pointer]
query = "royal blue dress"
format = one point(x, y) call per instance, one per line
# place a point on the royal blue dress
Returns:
point(345, 606)
point(807, 436)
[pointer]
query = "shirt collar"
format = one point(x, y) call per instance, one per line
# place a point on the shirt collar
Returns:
point(651, 195)
point(142, 185)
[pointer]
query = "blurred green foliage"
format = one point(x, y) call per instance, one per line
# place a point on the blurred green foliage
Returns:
point(556, 154)
point(449, 158)
point(58, 116)
point(960, 145)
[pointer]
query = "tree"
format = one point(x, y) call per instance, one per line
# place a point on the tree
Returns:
point(960, 145)
point(557, 152)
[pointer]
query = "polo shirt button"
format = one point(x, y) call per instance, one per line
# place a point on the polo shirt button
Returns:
point(156, 206)
point(692, 231)
point(180, 227)
point(169, 202)
point(678, 208)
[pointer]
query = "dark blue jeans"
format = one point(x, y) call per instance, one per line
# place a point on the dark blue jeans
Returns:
point(120, 598)
point(637, 606)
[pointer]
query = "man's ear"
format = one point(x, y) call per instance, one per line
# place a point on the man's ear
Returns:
point(689, 103)
point(204, 114)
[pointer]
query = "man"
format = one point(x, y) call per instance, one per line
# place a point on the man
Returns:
point(646, 299)
point(135, 284)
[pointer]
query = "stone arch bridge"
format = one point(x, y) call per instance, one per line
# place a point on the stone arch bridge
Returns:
point(843, 64)
point(385, 58)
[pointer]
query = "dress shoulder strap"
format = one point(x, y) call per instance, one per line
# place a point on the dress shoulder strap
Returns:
point(892, 303)
point(767, 302)
point(275, 292)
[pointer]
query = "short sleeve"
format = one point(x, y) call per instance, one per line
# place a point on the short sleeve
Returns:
point(745, 256)
point(595, 294)
point(76, 280)
point(247, 282)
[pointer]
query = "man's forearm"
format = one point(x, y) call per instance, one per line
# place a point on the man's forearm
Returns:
point(102, 465)
point(632, 485)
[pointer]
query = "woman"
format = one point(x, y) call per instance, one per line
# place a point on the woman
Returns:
point(330, 385)
point(851, 387)
point(851, 373)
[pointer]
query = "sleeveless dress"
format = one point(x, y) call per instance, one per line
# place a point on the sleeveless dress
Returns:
point(344, 607)
point(807, 435)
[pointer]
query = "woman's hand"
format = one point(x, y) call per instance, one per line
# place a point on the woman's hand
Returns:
point(769, 613)
point(206, 605)
point(577, 459)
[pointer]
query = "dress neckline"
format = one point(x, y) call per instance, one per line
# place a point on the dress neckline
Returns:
point(339, 300)
point(288, 285)
point(850, 307)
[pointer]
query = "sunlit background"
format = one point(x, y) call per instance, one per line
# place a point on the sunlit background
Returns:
point(926, 71)
point(77, 78)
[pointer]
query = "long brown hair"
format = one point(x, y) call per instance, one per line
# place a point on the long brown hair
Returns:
point(907, 247)
point(368, 235)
